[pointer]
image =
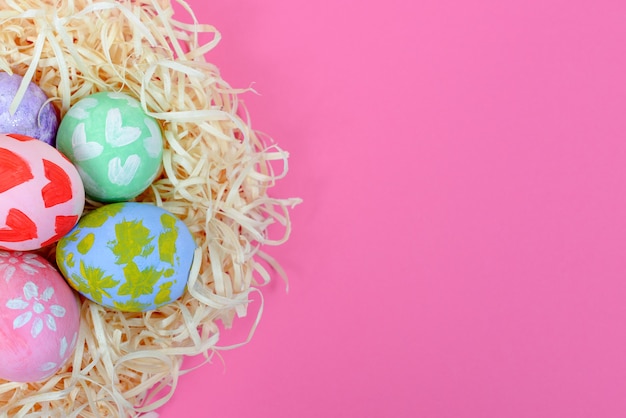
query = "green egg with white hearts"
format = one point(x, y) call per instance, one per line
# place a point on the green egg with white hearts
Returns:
point(128, 256)
point(116, 147)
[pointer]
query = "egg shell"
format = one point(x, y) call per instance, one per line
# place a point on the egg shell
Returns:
point(41, 194)
point(128, 256)
point(39, 318)
point(115, 145)
point(35, 116)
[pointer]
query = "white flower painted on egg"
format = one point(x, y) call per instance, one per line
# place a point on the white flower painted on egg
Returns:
point(9, 263)
point(37, 309)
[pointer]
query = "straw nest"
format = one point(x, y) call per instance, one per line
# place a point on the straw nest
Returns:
point(217, 172)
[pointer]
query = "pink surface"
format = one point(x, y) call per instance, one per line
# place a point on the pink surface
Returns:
point(461, 248)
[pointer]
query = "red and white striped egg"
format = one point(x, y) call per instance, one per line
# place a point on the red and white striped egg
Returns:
point(39, 318)
point(41, 193)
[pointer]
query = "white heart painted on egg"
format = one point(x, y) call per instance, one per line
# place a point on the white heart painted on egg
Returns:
point(116, 134)
point(80, 110)
point(121, 96)
point(120, 174)
point(154, 142)
point(84, 150)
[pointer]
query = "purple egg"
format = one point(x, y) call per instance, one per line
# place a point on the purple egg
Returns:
point(33, 117)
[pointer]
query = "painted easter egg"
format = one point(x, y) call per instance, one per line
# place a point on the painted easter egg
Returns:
point(116, 147)
point(39, 318)
point(128, 256)
point(35, 116)
point(41, 194)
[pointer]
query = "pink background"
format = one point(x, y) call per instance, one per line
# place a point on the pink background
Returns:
point(461, 249)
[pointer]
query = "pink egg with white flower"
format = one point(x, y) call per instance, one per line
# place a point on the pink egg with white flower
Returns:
point(39, 318)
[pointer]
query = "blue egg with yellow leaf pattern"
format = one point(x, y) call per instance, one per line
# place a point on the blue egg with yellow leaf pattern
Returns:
point(129, 256)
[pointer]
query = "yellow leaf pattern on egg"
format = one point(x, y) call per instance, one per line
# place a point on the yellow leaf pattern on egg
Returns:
point(132, 239)
point(97, 218)
point(93, 282)
point(167, 240)
point(72, 237)
point(86, 243)
point(130, 243)
point(63, 258)
point(130, 306)
point(139, 282)
point(70, 260)
point(163, 295)
point(80, 285)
